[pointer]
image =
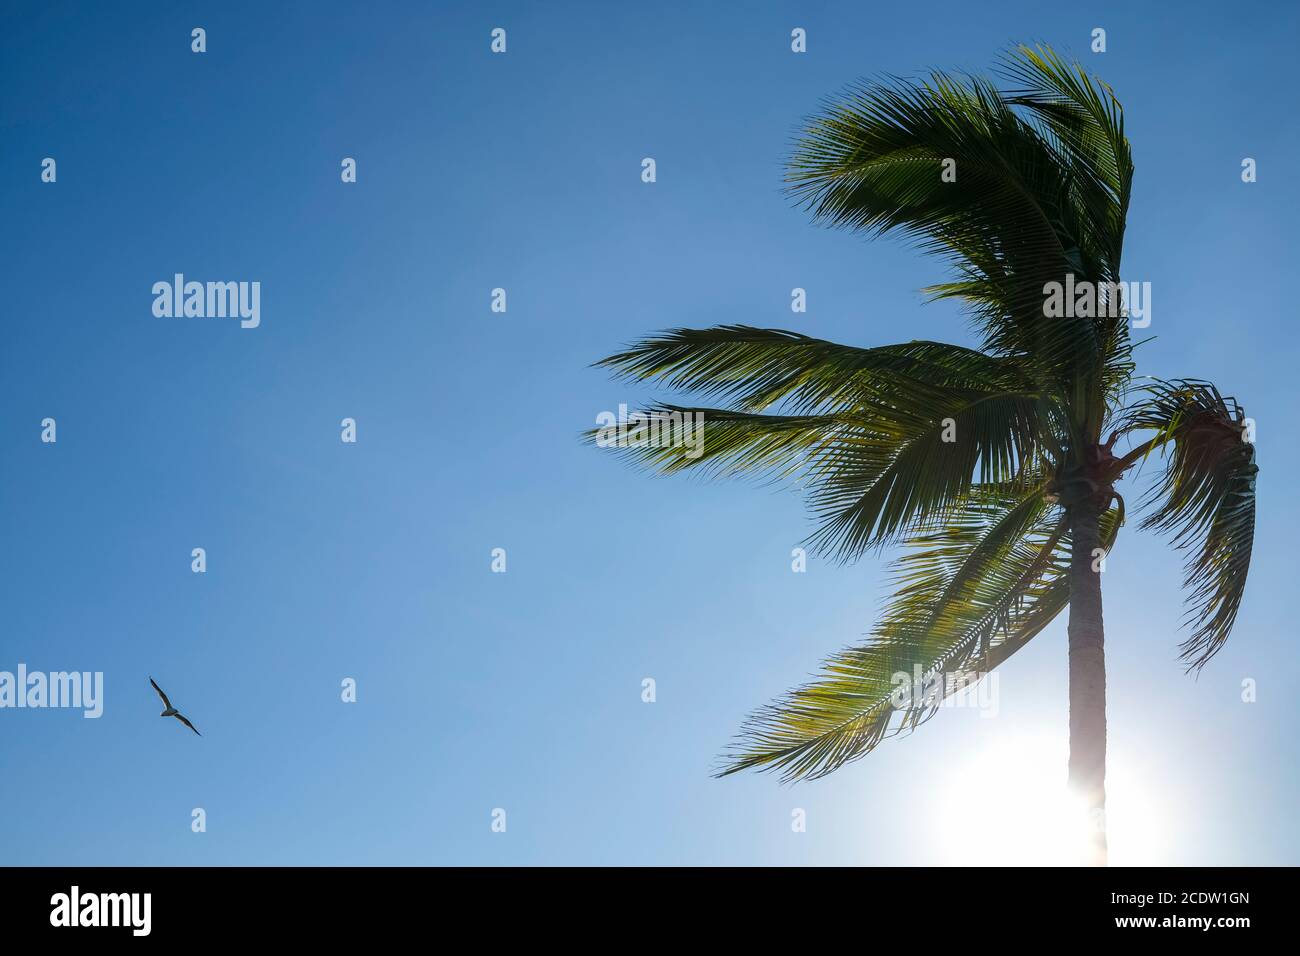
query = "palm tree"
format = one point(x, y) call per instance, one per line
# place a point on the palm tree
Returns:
point(994, 468)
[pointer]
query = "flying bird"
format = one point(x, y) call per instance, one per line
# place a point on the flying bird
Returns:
point(171, 711)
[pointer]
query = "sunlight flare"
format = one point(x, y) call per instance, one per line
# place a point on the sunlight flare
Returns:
point(1009, 806)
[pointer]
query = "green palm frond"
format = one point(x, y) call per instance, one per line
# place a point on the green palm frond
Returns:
point(722, 442)
point(885, 440)
point(873, 487)
point(1085, 124)
point(753, 368)
point(969, 596)
point(1036, 197)
point(1082, 119)
point(1205, 500)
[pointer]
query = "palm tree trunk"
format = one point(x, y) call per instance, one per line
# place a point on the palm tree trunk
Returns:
point(1088, 678)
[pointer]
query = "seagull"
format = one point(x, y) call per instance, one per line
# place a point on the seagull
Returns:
point(171, 711)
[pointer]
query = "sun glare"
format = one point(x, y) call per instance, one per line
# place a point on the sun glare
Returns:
point(1009, 806)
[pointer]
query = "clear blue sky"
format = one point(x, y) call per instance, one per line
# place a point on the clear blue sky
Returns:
point(522, 690)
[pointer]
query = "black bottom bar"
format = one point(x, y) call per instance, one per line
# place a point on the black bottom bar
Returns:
point(334, 904)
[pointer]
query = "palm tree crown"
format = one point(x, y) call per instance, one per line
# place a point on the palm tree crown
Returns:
point(993, 468)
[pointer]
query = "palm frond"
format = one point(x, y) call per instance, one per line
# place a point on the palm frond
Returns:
point(1035, 199)
point(1205, 499)
point(936, 624)
point(969, 596)
point(883, 439)
point(1085, 123)
point(753, 368)
point(874, 486)
point(723, 442)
